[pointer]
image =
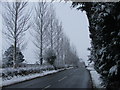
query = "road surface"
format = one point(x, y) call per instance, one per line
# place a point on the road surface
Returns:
point(71, 78)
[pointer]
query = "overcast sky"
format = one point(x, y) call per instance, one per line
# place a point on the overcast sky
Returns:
point(75, 25)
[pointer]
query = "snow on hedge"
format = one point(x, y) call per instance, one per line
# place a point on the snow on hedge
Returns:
point(113, 71)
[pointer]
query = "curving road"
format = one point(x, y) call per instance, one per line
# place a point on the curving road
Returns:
point(71, 78)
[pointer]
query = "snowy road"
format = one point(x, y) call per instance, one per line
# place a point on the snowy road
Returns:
point(71, 78)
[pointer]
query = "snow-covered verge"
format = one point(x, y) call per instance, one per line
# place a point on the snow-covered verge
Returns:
point(19, 78)
point(9, 73)
point(96, 77)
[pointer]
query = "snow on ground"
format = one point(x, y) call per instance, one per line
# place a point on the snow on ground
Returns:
point(17, 79)
point(97, 81)
point(70, 68)
point(96, 77)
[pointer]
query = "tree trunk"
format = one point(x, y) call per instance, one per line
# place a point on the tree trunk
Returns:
point(51, 35)
point(41, 57)
point(14, 55)
point(15, 38)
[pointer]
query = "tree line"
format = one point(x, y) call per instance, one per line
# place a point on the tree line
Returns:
point(52, 45)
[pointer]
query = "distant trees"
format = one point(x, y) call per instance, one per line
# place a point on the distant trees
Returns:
point(69, 53)
point(8, 57)
point(59, 44)
point(104, 30)
point(16, 19)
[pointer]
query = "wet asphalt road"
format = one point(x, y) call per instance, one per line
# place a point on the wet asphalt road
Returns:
point(71, 78)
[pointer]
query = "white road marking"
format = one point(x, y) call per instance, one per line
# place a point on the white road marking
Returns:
point(46, 87)
point(62, 78)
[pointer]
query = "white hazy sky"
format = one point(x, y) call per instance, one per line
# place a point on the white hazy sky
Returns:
point(75, 25)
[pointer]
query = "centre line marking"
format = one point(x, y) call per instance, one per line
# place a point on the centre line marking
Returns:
point(62, 78)
point(46, 87)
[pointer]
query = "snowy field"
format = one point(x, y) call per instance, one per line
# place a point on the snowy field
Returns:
point(20, 78)
point(96, 77)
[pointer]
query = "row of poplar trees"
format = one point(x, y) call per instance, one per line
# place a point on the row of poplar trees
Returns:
point(41, 20)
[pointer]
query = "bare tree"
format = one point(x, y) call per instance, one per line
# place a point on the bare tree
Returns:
point(16, 18)
point(40, 27)
point(58, 37)
point(52, 20)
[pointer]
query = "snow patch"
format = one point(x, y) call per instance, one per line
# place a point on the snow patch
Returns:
point(113, 70)
point(97, 81)
point(96, 77)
